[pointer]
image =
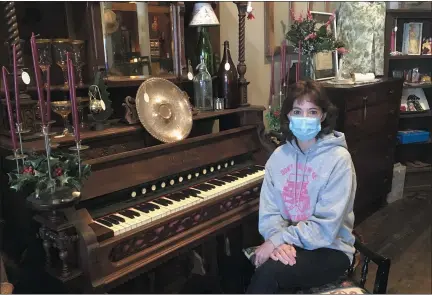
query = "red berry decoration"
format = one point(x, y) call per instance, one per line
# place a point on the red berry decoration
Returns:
point(58, 171)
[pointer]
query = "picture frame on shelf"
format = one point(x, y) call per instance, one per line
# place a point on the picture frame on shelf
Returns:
point(427, 46)
point(325, 63)
point(412, 38)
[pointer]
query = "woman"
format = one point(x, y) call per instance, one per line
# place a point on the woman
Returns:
point(306, 204)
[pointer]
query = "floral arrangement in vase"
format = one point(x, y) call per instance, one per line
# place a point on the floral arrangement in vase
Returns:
point(311, 36)
point(35, 174)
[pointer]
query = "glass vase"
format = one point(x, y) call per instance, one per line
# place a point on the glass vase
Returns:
point(307, 71)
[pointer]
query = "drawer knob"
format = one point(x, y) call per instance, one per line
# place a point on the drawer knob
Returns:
point(391, 112)
point(391, 91)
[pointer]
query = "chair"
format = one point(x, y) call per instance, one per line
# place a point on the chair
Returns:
point(348, 284)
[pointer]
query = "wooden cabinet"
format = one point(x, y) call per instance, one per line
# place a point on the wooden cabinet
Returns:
point(368, 115)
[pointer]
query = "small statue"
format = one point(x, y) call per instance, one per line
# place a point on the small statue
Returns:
point(426, 46)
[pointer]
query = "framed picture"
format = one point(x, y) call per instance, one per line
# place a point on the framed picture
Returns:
point(412, 38)
point(325, 63)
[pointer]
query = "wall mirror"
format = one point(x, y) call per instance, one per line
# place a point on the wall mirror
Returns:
point(139, 38)
point(277, 20)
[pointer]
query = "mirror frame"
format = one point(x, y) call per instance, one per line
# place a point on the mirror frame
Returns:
point(97, 50)
point(269, 22)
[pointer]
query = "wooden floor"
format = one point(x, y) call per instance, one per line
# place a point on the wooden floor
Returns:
point(402, 232)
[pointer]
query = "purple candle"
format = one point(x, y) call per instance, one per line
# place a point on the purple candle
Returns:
point(48, 90)
point(38, 78)
point(299, 61)
point(15, 72)
point(72, 93)
point(271, 81)
point(9, 109)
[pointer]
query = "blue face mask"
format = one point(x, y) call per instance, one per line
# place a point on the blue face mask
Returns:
point(304, 128)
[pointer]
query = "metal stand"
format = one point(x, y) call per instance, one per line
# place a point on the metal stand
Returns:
point(78, 148)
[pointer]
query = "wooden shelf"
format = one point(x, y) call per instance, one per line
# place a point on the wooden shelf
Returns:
point(125, 6)
point(418, 169)
point(408, 115)
point(424, 85)
point(410, 13)
point(411, 57)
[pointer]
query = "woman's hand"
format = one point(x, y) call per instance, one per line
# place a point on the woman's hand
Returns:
point(262, 253)
point(284, 253)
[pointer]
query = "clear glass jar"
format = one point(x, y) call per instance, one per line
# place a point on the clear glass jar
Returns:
point(203, 89)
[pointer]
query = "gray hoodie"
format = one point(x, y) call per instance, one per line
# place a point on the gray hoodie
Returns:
point(307, 198)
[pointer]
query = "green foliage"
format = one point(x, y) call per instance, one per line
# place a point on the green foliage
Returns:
point(64, 169)
point(314, 37)
point(273, 120)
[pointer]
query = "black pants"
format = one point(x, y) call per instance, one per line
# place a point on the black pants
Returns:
point(312, 269)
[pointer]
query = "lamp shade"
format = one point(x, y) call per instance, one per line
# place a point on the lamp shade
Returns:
point(203, 15)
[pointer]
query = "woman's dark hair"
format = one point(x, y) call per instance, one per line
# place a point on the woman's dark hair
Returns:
point(315, 93)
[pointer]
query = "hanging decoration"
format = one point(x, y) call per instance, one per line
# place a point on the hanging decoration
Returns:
point(249, 10)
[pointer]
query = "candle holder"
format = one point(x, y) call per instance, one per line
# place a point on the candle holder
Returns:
point(17, 155)
point(78, 148)
point(48, 123)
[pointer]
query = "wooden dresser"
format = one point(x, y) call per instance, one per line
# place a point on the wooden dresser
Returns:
point(368, 115)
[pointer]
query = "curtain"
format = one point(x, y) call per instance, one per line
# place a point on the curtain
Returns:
point(361, 26)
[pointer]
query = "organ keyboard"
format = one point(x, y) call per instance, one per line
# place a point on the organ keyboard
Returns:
point(142, 207)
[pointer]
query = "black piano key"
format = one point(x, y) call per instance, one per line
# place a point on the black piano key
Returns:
point(133, 213)
point(102, 233)
point(176, 196)
point(216, 182)
point(161, 202)
point(193, 191)
point(100, 220)
point(127, 214)
point(153, 206)
point(111, 220)
point(142, 209)
point(202, 187)
point(118, 218)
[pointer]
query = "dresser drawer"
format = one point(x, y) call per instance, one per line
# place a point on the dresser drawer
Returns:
point(371, 119)
point(373, 95)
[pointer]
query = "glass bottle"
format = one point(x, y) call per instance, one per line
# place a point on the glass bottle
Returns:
point(203, 89)
point(228, 80)
point(204, 50)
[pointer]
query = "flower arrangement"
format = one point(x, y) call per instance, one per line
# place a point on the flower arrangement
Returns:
point(312, 36)
point(35, 174)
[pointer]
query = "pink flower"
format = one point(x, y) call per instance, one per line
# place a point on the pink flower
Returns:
point(309, 15)
point(292, 14)
point(311, 36)
point(342, 50)
point(330, 20)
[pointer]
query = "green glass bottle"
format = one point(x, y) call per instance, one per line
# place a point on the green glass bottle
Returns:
point(204, 50)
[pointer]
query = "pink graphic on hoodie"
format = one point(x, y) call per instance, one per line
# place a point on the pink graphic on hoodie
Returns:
point(295, 193)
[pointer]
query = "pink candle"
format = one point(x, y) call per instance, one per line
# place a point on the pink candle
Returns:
point(9, 109)
point(72, 93)
point(392, 42)
point(15, 72)
point(48, 90)
point(39, 86)
point(283, 58)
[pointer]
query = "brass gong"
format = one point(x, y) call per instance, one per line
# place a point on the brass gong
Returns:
point(164, 110)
